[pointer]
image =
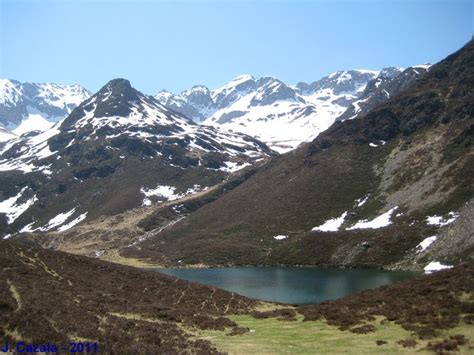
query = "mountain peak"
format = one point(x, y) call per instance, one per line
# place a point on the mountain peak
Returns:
point(117, 86)
point(119, 82)
point(196, 90)
point(242, 78)
point(390, 72)
point(114, 99)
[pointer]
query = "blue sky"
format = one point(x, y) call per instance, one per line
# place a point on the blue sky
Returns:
point(175, 44)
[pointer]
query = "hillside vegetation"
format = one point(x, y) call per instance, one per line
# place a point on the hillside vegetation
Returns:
point(50, 296)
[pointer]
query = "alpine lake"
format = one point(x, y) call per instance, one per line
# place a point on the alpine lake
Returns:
point(291, 285)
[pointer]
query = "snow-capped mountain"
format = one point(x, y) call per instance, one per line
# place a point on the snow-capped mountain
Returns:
point(117, 150)
point(386, 85)
point(26, 107)
point(280, 115)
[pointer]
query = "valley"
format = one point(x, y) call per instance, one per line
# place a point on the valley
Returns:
point(256, 215)
point(55, 297)
point(367, 192)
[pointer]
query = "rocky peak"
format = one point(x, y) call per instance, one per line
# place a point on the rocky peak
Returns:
point(198, 94)
point(340, 82)
point(390, 72)
point(115, 99)
point(235, 89)
point(271, 90)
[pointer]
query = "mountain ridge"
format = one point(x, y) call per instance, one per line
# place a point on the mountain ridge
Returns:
point(20, 102)
point(85, 165)
point(281, 115)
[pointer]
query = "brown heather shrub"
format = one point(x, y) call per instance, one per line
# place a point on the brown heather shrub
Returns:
point(448, 345)
point(363, 329)
point(54, 311)
point(286, 314)
point(407, 343)
point(238, 331)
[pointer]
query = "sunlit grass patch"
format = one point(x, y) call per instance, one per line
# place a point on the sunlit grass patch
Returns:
point(272, 336)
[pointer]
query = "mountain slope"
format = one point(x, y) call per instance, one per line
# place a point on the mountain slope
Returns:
point(117, 150)
point(122, 309)
point(368, 191)
point(37, 104)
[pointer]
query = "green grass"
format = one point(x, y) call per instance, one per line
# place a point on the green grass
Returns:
point(271, 336)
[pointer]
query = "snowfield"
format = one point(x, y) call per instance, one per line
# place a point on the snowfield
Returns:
point(33, 122)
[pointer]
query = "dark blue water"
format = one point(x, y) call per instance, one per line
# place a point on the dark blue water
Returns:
point(292, 285)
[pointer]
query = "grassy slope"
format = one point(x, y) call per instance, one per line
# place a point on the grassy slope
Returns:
point(433, 313)
point(272, 336)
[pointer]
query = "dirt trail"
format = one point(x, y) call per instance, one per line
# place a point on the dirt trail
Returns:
point(15, 294)
point(36, 261)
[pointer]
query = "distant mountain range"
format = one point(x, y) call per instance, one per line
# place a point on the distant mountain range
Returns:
point(26, 107)
point(284, 116)
point(281, 115)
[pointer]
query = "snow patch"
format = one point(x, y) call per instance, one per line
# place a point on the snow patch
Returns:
point(423, 66)
point(58, 220)
point(232, 167)
point(441, 221)
point(331, 225)
point(377, 145)
point(167, 193)
point(28, 228)
point(378, 222)
point(34, 148)
point(280, 237)
point(435, 266)
point(34, 122)
point(361, 201)
point(426, 243)
point(73, 222)
point(12, 209)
